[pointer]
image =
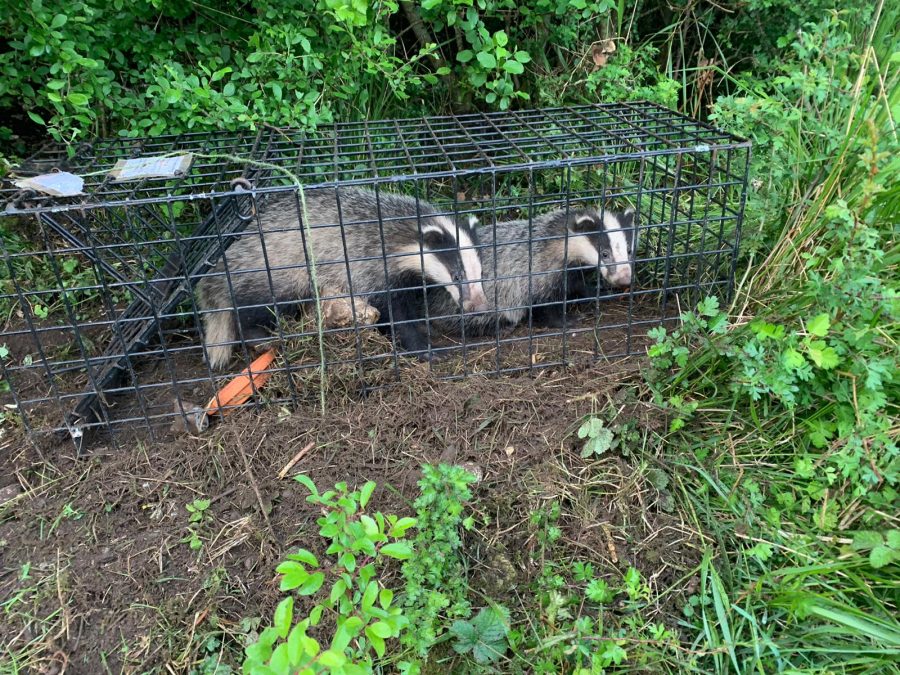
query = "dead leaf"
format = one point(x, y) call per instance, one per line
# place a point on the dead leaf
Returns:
point(601, 53)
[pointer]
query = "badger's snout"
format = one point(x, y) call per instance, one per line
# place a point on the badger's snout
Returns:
point(618, 275)
point(473, 298)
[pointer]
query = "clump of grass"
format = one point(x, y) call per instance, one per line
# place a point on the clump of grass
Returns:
point(789, 448)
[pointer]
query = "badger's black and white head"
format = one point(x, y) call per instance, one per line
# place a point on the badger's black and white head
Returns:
point(607, 241)
point(447, 255)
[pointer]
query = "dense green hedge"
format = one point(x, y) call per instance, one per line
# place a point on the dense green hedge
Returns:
point(164, 66)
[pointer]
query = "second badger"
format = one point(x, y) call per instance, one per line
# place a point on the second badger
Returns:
point(539, 265)
point(385, 241)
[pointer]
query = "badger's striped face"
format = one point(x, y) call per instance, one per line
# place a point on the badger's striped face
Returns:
point(449, 257)
point(607, 241)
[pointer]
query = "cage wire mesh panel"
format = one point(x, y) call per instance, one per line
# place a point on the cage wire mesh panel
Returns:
point(105, 293)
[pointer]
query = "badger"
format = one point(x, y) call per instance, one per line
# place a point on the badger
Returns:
point(390, 263)
point(564, 244)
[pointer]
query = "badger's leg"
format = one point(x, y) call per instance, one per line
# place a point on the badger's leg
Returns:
point(549, 316)
point(405, 307)
point(218, 321)
point(218, 337)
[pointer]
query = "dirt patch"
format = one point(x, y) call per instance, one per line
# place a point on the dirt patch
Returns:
point(96, 572)
point(171, 374)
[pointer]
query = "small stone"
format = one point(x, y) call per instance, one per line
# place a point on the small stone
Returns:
point(473, 469)
point(10, 492)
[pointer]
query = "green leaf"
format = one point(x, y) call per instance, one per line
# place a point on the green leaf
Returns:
point(600, 442)
point(514, 67)
point(280, 662)
point(310, 646)
point(865, 540)
point(337, 590)
point(306, 482)
point(881, 556)
point(369, 596)
point(823, 356)
point(371, 529)
point(37, 119)
point(524, 57)
point(346, 631)
point(78, 99)
point(305, 556)
point(293, 573)
point(376, 642)
point(348, 561)
point(385, 597)
point(501, 38)
point(276, 90)
point(332, 659)
point(312, 584)
point(401, 526)
point(58, 21)
point(398, 549)
point(598, 591)
point(430, 4)
point(819, 325)
point(295, 642)
point(465, 56)
point(893, 539)
point(381, 629)
point(487, 60)
point(792, 359)
point(484, 636)
point(366, 493)
point(284, 614)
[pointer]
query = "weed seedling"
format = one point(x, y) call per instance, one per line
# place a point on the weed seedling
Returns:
point(197, 522)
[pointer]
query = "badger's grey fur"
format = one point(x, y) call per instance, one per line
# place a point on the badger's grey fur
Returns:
point(562, 245)
point(268, 265)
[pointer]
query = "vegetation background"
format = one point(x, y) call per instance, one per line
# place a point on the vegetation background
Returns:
point(783, 441)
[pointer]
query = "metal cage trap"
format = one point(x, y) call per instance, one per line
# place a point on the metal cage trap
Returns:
point(105, 244)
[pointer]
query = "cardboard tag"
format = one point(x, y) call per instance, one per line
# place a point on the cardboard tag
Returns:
point(151, 167)
point(57, 184)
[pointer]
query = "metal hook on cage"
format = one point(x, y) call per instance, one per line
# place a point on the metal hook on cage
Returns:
point(239, 185)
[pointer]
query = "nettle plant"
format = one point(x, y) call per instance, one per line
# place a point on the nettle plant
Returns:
point(435, 578)
point(358, 607)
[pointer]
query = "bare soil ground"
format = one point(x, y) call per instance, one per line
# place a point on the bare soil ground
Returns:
point(96, 574)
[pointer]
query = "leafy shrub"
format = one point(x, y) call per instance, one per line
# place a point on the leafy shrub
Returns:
point(364, 610)
point(159, 66)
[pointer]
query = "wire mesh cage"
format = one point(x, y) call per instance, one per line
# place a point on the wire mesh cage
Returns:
point(474, 244)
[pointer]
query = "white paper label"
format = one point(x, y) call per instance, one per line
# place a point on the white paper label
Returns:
point(151, 167)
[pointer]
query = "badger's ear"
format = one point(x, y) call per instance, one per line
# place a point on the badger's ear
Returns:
point(628, 217)
point(584, 221)
point(473, 220)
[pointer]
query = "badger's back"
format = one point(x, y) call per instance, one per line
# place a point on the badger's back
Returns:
point(270, 259)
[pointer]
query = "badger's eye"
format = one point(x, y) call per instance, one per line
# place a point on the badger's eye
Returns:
point(605, 255)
